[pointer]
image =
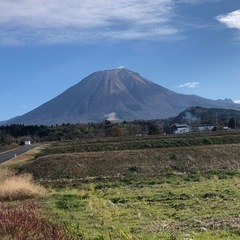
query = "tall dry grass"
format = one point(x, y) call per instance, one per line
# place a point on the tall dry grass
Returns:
point(5, 174)
point(20, 187)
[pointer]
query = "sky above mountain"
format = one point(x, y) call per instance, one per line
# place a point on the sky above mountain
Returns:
point(46, 46)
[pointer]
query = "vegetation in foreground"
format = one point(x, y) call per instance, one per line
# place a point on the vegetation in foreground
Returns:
point(201, 203)
point(174, 207)
point(24, 221)
point(21, 199)
point(20, 187)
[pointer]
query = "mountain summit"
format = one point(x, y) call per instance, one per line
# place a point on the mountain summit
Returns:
point(118, 94)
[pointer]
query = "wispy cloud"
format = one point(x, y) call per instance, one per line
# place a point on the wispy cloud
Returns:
point(53, 21)
point(189, 85)
point(231, 20)
point(197, 1)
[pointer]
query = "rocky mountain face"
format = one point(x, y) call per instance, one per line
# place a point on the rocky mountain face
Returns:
point(118, 94)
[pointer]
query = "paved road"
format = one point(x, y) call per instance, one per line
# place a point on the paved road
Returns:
point(11, 154)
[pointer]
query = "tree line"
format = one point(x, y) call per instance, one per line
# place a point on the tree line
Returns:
point(18, 133)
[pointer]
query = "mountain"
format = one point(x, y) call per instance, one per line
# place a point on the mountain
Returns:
point(200, 115)
point(118, 94)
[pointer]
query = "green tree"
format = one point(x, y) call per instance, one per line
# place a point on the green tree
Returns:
point(153, 129)
point(232, 123)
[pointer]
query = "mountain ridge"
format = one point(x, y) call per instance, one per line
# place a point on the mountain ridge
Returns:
point(119, 92)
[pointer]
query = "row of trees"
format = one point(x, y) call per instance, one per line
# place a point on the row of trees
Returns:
point(18, 133)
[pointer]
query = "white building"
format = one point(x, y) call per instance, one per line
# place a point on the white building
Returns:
point(27, 142)
point(180, 128)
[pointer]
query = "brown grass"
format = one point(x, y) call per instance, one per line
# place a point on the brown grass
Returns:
point(5, 174)
point(145, 162)
point(20, 187)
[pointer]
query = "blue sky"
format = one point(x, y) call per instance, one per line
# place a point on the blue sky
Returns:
point(46, 46)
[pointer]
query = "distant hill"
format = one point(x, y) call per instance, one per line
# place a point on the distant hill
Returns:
point(200, 115)
point(118, 94)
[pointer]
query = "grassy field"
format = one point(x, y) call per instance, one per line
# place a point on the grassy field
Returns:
point(171, 208)
point(185, 187)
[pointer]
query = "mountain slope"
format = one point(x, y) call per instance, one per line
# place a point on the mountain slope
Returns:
point(119, 93)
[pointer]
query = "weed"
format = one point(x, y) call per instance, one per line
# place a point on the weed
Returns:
point(67, 201)
point(20, 187)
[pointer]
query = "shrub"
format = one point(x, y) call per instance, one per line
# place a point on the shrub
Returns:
point(24, 223)
point(20, 187)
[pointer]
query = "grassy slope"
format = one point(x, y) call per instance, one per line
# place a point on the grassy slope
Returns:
point(184, 192)
point(144, 162)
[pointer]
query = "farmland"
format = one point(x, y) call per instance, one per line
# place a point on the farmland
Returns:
point(161, 187)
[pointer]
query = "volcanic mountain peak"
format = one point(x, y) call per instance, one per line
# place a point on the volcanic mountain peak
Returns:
point(114, 94)
point(115, 81)
point(122, 75)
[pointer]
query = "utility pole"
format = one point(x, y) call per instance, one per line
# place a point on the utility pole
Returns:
point(216, 121)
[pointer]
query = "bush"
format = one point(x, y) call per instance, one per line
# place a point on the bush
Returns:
point(20, 187)
point(24, 223)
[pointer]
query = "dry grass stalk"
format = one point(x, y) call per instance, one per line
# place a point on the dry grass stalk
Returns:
point(5, 174)
point(20, 187)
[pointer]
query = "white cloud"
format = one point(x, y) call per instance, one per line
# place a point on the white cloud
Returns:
point(189, 85)
point(197, 1)
point(231, 20)
point(53, 21)
point(237, 101)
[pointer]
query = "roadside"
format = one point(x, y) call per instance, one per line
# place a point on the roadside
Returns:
point(8, 167)
point(16, 152)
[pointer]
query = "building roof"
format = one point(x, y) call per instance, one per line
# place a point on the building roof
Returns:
point(179, 125)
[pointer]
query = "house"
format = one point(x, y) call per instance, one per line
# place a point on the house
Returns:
point(203, 128)
point(179, 128)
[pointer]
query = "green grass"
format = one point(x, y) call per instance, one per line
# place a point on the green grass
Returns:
point(161, 208)
point(165, 187)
